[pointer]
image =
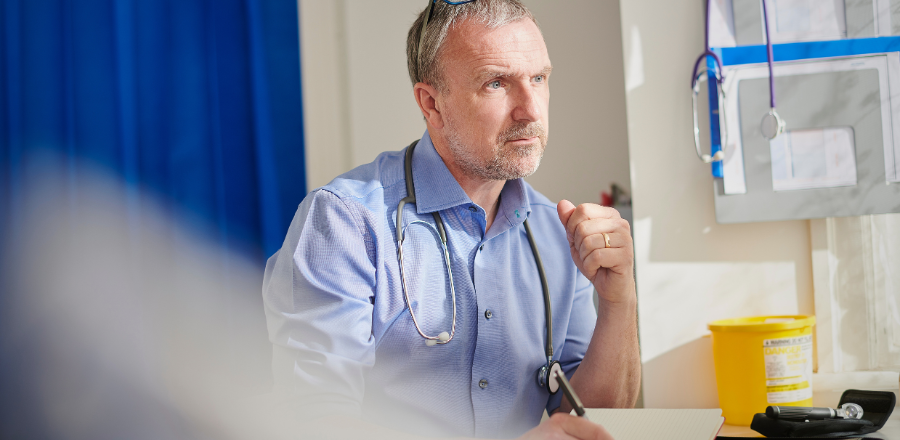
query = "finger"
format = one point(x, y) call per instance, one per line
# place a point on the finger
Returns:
point(565, 209)
point(599, 241)
point(612, 259)
point(581, 428)
point(588, 211)
point(613, 227)
point(576, 257)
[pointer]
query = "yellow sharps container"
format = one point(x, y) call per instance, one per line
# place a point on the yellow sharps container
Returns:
point(762, 361)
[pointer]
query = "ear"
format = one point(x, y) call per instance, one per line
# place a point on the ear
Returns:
point(428, 99)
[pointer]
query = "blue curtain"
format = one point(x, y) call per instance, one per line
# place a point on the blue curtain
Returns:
point(194, 101)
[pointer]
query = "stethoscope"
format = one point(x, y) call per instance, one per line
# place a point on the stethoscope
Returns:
point(545, 371)
point(772, 124)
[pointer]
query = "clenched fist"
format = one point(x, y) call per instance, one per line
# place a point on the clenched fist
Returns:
point(601, 246)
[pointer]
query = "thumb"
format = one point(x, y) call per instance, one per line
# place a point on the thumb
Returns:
point(565, 209)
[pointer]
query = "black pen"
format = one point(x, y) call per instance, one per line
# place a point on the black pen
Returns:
point(570, 394)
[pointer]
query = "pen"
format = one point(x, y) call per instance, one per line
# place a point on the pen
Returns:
point(570, 394)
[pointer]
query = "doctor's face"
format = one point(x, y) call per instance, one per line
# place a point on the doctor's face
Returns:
point(496, 100)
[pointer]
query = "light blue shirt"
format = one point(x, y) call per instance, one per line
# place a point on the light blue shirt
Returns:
point(343, 337)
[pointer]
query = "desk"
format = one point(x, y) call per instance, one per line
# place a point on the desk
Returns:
point(890, 431)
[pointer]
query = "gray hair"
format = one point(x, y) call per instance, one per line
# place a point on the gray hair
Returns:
point(426, 67)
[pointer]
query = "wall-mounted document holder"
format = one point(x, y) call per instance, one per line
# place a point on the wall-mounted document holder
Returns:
point(840, 152)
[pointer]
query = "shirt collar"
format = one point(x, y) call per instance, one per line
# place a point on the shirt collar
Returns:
point(437, 189)
point(514, 203)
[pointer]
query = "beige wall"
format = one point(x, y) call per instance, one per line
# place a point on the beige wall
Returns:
point(691, 270)
point(358, 101)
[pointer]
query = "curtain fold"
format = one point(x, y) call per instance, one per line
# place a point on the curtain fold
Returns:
point(194, 102)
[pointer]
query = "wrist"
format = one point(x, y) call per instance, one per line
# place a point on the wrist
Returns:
point(616, 294)
point(619, 306)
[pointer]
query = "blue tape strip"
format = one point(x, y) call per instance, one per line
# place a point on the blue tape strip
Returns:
point(714, 130)
point(815, 49)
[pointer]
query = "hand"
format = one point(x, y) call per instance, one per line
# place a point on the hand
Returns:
point(565, 426)
point(611, 269)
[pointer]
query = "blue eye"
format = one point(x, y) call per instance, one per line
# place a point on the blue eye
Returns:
point(494, 85)
point(539, 78)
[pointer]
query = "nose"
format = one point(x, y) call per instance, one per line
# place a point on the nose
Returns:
point(528, 105)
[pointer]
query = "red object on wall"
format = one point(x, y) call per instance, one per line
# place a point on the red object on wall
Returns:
point(606, 199)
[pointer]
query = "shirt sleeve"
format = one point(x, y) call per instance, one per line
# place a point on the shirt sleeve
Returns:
point(318, 293)
point(582, 320)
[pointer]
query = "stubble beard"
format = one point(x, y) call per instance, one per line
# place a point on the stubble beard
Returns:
point(507, 162)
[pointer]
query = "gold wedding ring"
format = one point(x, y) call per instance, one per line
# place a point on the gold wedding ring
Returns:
point(605, 238)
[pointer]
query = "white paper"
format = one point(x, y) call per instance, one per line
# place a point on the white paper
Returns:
point(792, 21)
point(670, 424)
point(721, 24)
point(806, 20)
point(888, 66)
point(892, 152)
point(883, 25)
point(816, 158)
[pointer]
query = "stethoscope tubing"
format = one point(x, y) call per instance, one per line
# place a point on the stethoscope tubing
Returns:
point(544, 288)
point(719, 75)
point(695, 92)
point(769, 56)
point(406, 289)
point(439, 226)
point(772, 124)
point(411, 198)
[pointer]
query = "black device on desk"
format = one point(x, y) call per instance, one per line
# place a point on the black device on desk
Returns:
point(875, 407)
point(804, 413)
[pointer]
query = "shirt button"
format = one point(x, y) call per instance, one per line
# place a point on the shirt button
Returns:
point(481, 248)
point(488, 314)
point(473, 209)
point(482, 383)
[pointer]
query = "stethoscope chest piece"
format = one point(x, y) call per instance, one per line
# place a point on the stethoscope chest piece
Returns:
point(772, 125)
point(544, 375)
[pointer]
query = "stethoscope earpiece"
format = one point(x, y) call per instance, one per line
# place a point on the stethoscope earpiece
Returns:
point(714, 158)
point(442, 338)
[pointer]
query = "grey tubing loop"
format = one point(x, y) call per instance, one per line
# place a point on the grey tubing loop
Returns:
point(411, 198)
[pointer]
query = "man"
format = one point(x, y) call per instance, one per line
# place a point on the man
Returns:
point(347, 341)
